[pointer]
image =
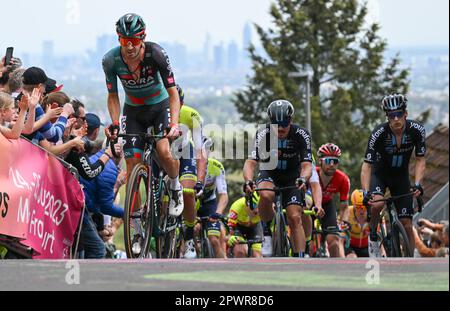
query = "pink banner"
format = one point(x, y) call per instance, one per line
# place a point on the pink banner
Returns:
point(40, 200)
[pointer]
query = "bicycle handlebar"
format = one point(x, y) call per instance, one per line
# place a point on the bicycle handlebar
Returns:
point(249, 241)
point(419, 199)
point(144, 136)
point(312, 212)
point(277, 189)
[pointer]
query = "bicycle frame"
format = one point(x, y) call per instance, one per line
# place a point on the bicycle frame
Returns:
point(391, 238)
point(281, 241)
point(206, 250)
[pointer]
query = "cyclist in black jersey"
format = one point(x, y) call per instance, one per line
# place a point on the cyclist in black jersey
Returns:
point(151, 99)
point(284, 153)
point(386, 165)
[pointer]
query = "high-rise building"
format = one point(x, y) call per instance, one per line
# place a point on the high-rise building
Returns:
point(219, 57)
point(48, 53)
point(232, 56)
point(247, 36)
point(207, 48)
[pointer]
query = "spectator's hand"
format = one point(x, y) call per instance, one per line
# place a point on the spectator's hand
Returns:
point(426, 223)
point(174, 131)
point(425, 231)
point(54, 113)
point(34, 98)
point(70, 122)
point(68, 110)
point(78, 144)
point(16, 62)
point(2, 67)
point(121, 179)
point(118, 150)
point(24, 102)
point(107, 233)
point(81, 132)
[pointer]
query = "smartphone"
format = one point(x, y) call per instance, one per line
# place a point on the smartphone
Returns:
point(8, 55)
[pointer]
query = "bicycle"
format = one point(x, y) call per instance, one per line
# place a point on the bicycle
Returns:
point(317, 246)
point(394, 237)
point(143, 202)
point(249, 243)
point(206, 249)
point(169, 228)
point(281, 240)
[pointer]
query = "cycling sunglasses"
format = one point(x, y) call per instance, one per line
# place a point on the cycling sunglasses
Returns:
point(283, 124)
point(134, 41)
point(395, 114)
point(329, 161)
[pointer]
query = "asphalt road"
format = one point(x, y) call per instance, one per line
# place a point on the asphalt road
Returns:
point(275, 274)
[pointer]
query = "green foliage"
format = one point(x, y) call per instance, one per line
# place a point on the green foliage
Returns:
point(349, 75)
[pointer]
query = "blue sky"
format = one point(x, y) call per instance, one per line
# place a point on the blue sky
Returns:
point(74, 24)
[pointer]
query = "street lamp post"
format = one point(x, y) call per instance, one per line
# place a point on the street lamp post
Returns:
point(307, 75)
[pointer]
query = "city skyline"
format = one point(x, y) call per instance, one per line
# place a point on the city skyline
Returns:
point(74, 25)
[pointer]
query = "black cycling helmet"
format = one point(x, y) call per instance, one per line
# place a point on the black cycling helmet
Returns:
point(130, 25)
point(280, 112)
point(393, 102)
point(180, 94)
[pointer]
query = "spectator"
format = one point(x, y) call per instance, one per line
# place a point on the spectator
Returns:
point(99, 196)
point(436, 234)
point(51, 87)
point(7, 111)
point(5, 72)
point(35, 77)
point(440, 228)
point(15, 83)
point(93, 123)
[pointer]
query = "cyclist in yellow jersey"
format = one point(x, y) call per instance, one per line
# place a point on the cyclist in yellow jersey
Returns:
point(245, 224)
point(359, 227)
point(192, 169)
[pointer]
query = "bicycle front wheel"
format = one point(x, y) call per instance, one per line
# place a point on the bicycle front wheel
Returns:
point(139, 213)
point(400, 240)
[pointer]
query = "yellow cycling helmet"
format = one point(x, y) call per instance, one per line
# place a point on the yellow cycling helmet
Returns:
point(357, 198)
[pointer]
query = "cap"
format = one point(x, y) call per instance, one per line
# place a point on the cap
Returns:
point(34, 75)
point(93, 120)
point(50, 86)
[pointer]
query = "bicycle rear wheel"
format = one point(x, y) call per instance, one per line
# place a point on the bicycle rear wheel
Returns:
point(166, 235)
point(206, 248)
point(139, 213)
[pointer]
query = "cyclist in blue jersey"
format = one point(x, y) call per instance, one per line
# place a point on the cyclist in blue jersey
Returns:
point(386, 165)
point(292, 156)
point(151, 98)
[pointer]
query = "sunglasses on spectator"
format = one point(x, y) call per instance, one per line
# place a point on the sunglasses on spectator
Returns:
point(329, 161)
point(134, 41)
point(395, 114)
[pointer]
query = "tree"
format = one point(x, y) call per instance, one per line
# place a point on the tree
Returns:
point(349, 76)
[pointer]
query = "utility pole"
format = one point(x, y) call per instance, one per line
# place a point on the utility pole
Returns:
point(307, 75)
